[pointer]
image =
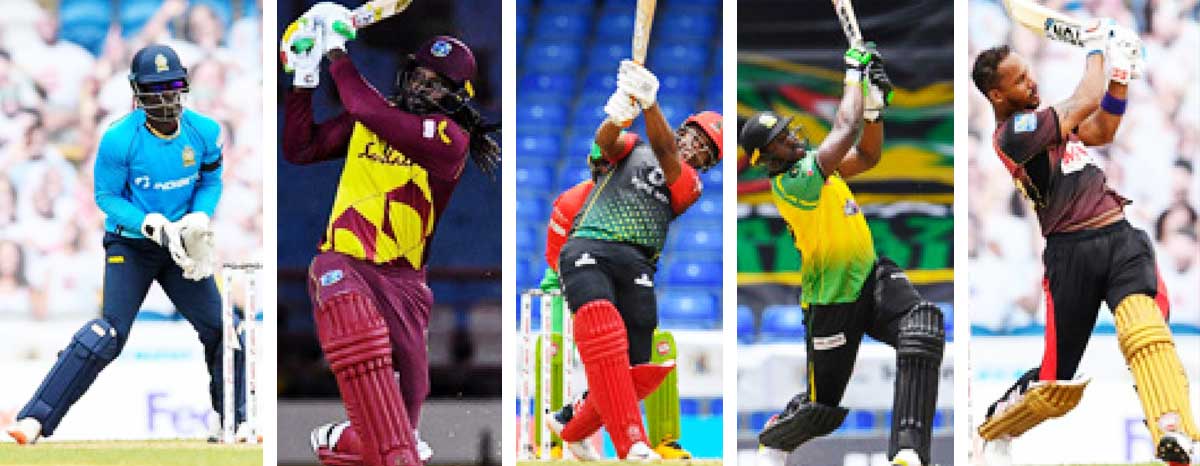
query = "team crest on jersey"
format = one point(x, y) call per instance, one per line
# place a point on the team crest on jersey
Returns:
point(189, 156)
point(851, 208)
point(331, 277)
point(1025, 122)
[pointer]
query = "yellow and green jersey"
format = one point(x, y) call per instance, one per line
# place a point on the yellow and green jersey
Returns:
point(829, 229)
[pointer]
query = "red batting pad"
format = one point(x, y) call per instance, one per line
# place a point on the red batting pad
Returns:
point(586, 421)
point(355, 340)
point(604, 350)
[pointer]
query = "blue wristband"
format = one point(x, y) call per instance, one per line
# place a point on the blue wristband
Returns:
point(1112, 104)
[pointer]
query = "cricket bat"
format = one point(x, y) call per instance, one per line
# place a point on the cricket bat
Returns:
point(1042, 20)
point(641, 29)
point(845, 13)
point(375, 11)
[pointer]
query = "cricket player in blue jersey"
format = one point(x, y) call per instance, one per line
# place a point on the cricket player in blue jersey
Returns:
point(157, 179)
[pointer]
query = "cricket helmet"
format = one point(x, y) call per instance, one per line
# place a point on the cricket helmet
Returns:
point(759, 131)
point(158, 79)
point(710, 122)
point(452, 61)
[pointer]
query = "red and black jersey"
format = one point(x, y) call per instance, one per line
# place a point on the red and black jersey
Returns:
point(1065, 182)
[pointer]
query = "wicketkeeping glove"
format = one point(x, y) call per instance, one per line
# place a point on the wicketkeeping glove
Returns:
point(639, 82)
point(200, 247)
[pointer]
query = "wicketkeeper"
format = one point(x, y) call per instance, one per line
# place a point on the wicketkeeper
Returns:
point(157, 180)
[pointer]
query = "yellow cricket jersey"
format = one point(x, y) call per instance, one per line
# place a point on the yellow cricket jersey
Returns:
point(829, 229)
point(384, 208)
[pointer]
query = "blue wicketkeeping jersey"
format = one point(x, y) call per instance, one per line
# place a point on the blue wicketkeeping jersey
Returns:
point(138, 172)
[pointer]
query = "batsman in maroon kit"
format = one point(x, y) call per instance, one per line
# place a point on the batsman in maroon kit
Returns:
point(403, 158)
point(1092, 253)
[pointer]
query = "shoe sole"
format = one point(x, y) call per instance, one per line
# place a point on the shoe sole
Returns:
point(1170, 451)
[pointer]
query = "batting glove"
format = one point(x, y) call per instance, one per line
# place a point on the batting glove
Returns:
point(335, 23)
point(301, 49)
point(877, 88)
point(857, 58)
point(1095, 36)
point(620, 109)
point(1125, 55)
point(639, 82)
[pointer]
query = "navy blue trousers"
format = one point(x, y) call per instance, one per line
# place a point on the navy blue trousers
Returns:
point(131, 266)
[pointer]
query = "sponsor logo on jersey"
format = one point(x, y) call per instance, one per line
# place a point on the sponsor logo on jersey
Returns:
point(1075, 157)
point(144, 182)
point(644, 280)
point(829, 342)
point(384, 153)
point(851, 208)
point(649, 180)
point(1025, 122)
point(331, 277)
point(189, 156)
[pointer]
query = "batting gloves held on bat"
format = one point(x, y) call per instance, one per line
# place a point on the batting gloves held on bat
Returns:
point(637, 81)
point(621, 109)
point(1124, 55)
point(301, 51)
point(1095, 35)
point(857, 58)
point(335, 23)
point(877, 92)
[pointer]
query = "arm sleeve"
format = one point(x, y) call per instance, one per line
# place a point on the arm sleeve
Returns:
point(1027, 134)
point(562, 219)
point(111, 174)
point(685, 190)
point(208, 187)
point(306, 142)
point(435, 142)
point(801, 185)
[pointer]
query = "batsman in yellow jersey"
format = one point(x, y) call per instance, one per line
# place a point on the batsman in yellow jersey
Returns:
point(848, 290)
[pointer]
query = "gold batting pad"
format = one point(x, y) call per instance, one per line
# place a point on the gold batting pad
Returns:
point(1149, 350)
point(1043, 400)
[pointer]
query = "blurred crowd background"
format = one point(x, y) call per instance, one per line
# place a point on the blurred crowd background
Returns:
point(1151, 161)
point(63, 79)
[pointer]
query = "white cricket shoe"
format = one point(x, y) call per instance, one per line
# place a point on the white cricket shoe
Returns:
point(583, 451)
point(424, 452)
point(26, 431)
point(642, 453)
point(327, 435)
point(907, 457)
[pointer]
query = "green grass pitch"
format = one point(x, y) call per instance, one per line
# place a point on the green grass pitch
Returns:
point(131, 453)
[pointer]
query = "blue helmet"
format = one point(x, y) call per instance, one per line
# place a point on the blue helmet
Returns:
point(158, 80)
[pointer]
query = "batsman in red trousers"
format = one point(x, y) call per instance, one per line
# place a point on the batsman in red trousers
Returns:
point(403, 156)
